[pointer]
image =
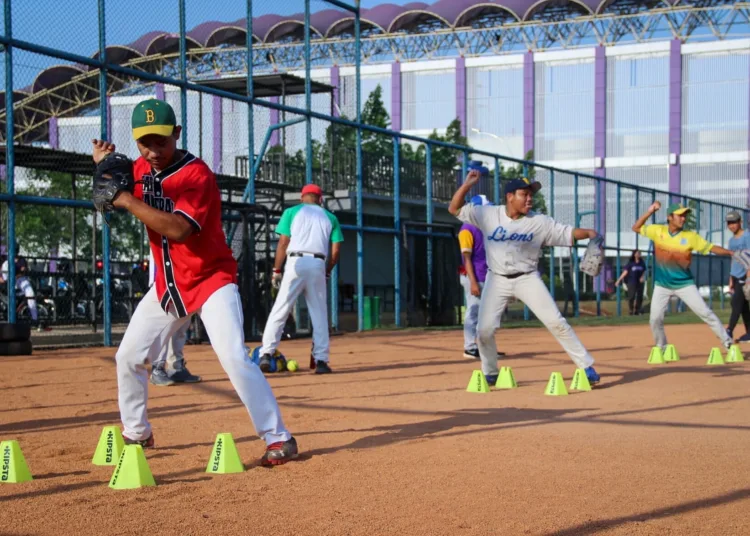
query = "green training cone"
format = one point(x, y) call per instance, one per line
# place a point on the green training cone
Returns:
point(735, 355)
point(580, 381)
point(478, 383)
point(132, 470)
point(110, 446)
point(655, 357)
point(506, 380)
point(556, 385)
point(714, 358)
point(670, 354)
point(224, 456)
point(14, 469)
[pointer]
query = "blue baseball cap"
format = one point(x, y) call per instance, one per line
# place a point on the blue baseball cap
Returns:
point(477, 165)
point(480, 200)
point(519, 184)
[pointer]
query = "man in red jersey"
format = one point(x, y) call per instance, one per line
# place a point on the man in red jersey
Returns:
point(177, 199)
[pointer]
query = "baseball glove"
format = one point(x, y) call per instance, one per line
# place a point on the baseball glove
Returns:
point(113, 175)
point(742, 256)
point(591, 263)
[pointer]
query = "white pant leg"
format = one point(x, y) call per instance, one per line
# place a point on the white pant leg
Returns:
point(24, 285)
point(659, 303)
point(148, 332)
point(695, 301)
point(313, 272)
point(292, 284)
point(222, 316)
point(495, 295)
point(176, 347)
point(532, 291)
point(472, 315)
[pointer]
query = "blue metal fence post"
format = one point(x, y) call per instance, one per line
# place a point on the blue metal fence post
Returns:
point(710, 257)
point(251, 95)
point(574, 250)
point(526, 307)
point(397, 229)
point(552, 249)
point(429, 210)
point(723, 276)
point(360, 218)
point(308, 99)
point(497, 181)
point(106, 266)
point(10, 164)
point(619, 255)
point(183, 76)
point(600, 279)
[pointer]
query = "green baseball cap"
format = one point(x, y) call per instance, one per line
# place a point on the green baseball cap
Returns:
point(677, 208)
point(153, 116)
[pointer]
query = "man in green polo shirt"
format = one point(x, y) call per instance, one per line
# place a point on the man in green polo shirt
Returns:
point(306, 232)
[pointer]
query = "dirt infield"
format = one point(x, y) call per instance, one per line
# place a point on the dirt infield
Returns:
point(392, 444)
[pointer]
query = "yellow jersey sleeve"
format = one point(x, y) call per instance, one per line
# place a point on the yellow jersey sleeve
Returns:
point(466, 241)
point(651, 231)
point(700, 244)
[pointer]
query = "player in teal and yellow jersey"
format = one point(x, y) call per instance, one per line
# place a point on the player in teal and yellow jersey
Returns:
point(673, 248)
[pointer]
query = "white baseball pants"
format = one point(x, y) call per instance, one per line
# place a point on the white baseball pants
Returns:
point(301, 275)
point(149, 331)
point(532, 291)
point(472, 314)
point(173, 352)
point(693, 299)
point(24, 285)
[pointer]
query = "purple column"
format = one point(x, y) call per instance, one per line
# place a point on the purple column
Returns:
point(461, 92)
point(396, 96)
point(335, 82)
point(274, 121)
point(600, 147)
point(160, 91)
point(675, 113)
point(528, 103)
point(218, 133)
point(54, 137)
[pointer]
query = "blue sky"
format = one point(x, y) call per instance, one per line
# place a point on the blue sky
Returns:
point(71, 25)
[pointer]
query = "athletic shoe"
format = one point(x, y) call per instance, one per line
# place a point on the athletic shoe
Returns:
point(592, 375)
point(145, 443)
point(183, 375)
point(729, 334)
point(280, 452)
point(491, 379)
point(321, 367)
point(265, 363)
point(471, 354)
point(744, 338)
point(728, 344)
point(160, 378)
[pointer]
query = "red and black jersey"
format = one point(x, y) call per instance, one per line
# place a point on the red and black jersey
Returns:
point(188, 272)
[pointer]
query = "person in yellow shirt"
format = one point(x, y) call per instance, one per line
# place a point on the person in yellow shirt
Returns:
point(673, 249)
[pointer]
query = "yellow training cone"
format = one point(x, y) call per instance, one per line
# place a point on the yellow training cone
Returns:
point(735, 355)
point(655, 357)
point(224, 456)
point(556, 385)
point(110, 446)
point(132, 470)
point(478, 383)
point(580, 381)
point(670, 353)
point(14, 469)
point(505, 379)
point(714, 358)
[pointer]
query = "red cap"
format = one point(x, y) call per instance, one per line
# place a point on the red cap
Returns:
point(312, 189)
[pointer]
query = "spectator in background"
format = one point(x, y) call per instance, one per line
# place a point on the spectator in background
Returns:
point(738, 276)
point(635, 272)
point(23, 284)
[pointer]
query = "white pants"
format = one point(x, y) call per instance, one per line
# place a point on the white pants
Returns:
point(472, 314)
point(531, 290)
point(693, 299)
point(173, 351)
point(308, 275)
point(24, 285)
point(148, 332)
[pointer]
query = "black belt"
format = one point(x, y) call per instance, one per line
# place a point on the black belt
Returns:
point(302, 254)
point(514, 276)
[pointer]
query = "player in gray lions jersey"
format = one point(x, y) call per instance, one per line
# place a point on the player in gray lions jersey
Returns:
point(514, 238)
